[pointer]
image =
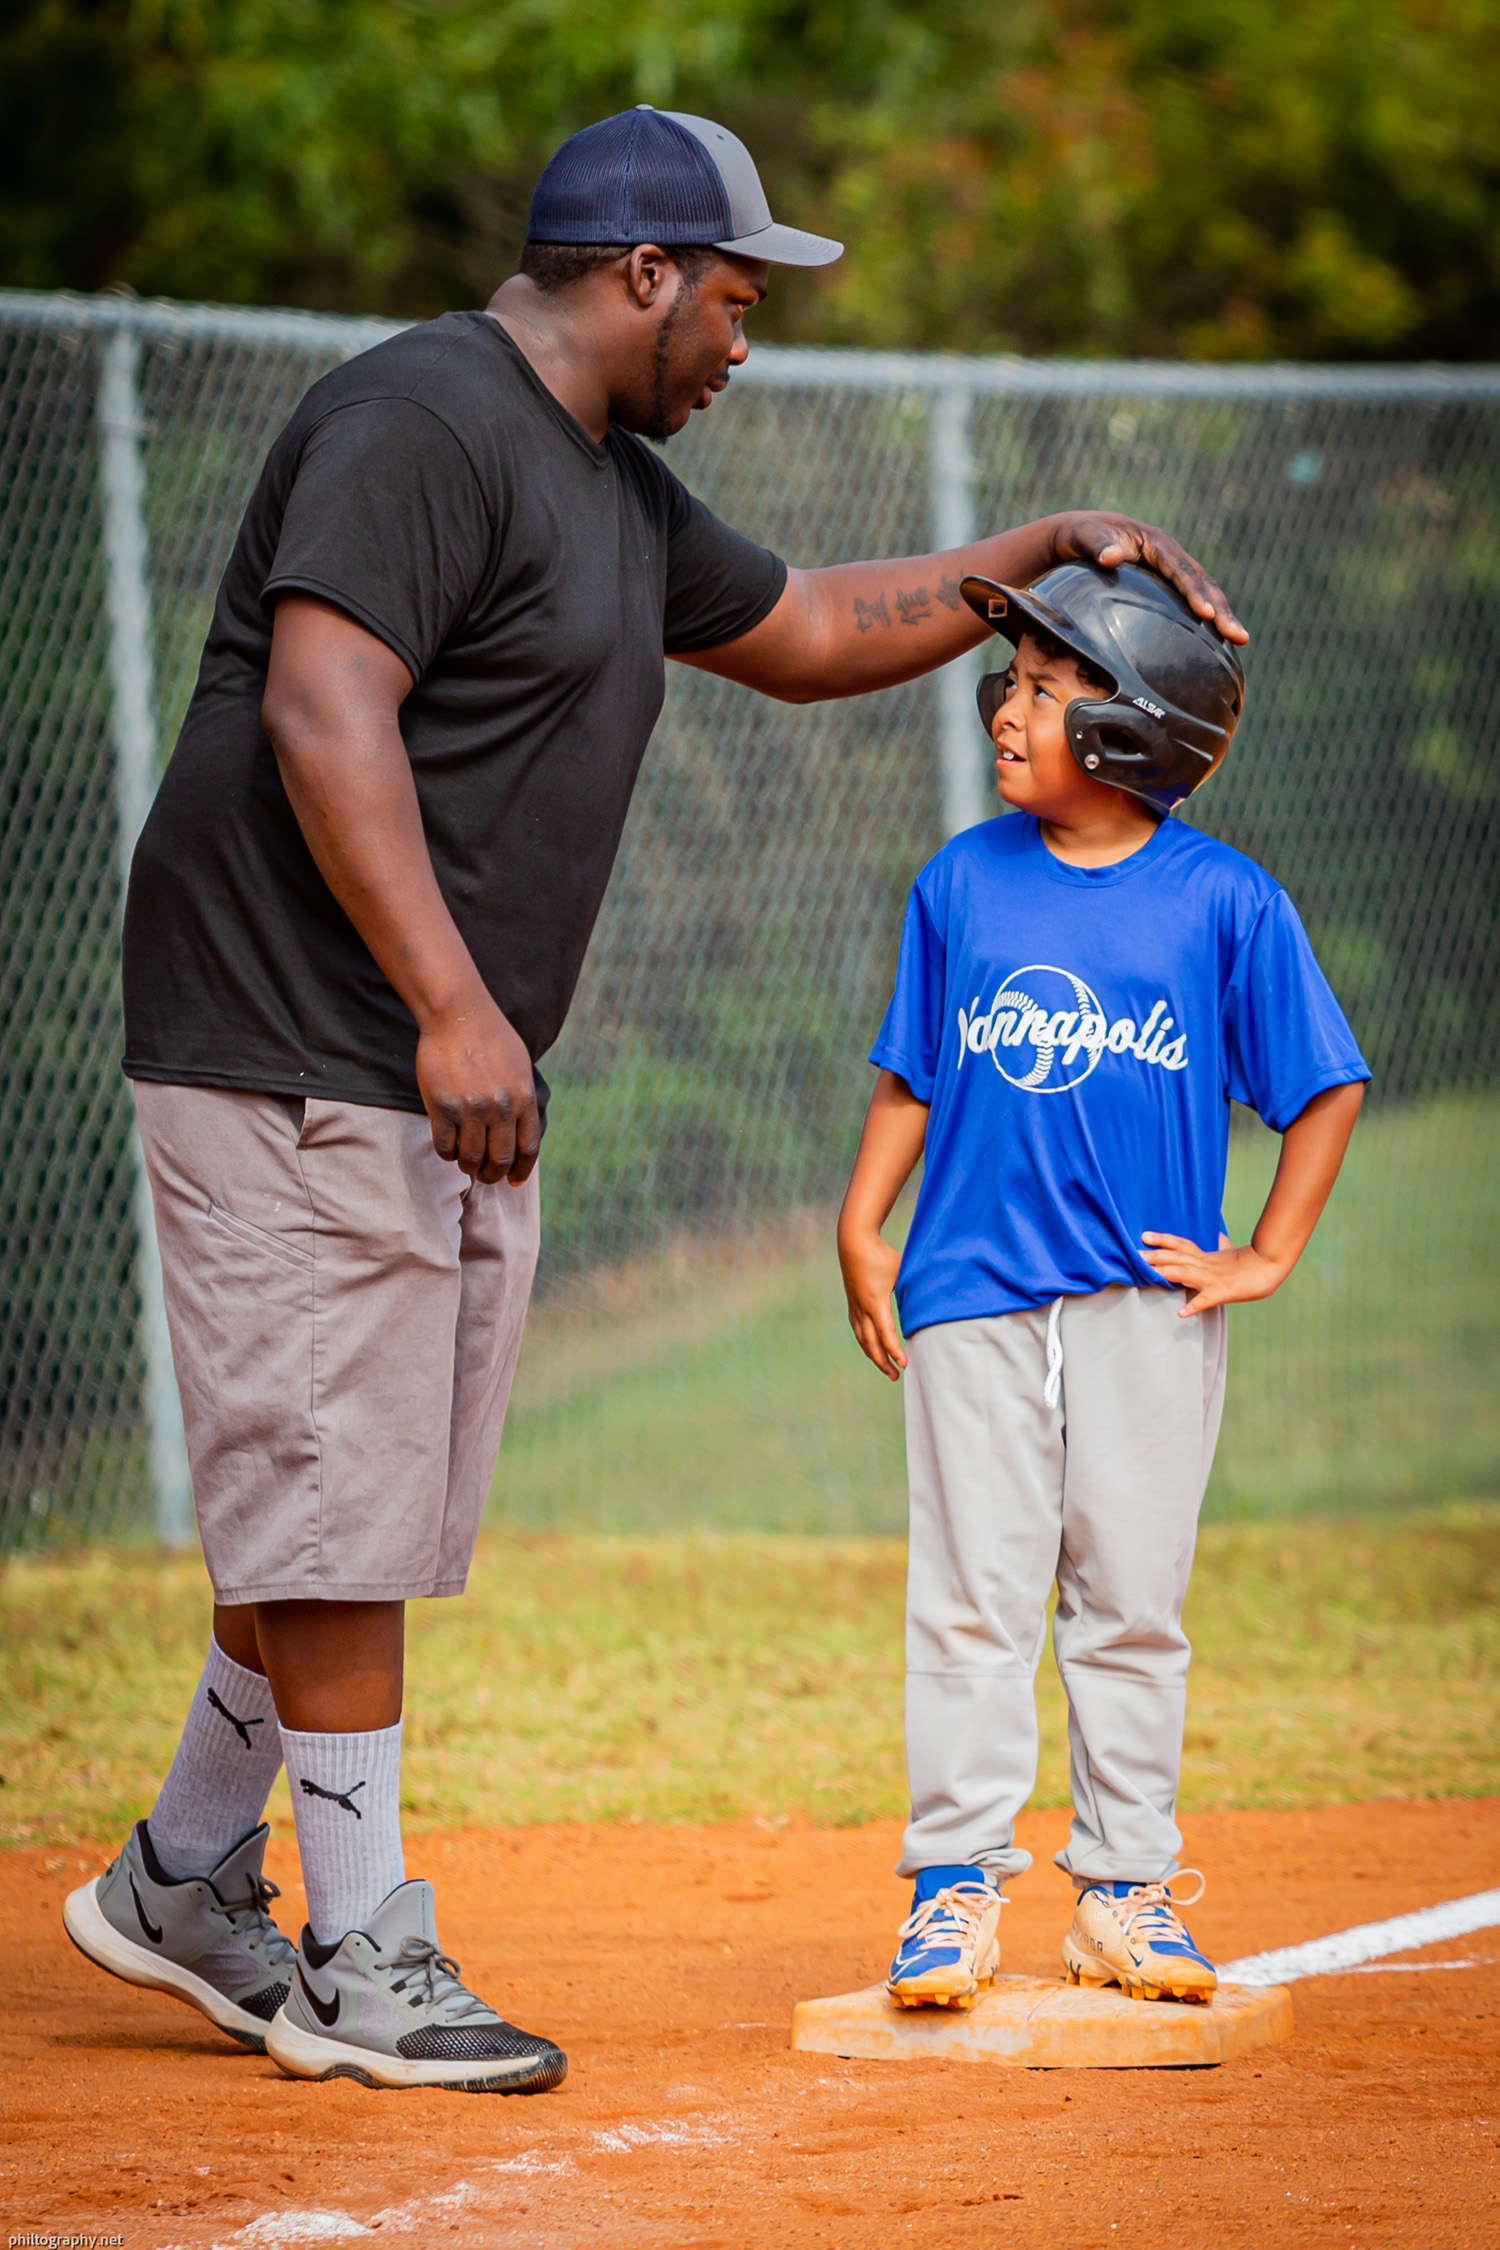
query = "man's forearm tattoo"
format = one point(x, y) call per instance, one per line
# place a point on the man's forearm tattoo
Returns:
point(913, 606)
point(948, 593)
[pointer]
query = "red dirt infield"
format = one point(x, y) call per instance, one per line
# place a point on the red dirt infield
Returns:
point(667, 1960)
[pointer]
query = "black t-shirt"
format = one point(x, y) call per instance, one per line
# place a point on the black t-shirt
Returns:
point(530, 580)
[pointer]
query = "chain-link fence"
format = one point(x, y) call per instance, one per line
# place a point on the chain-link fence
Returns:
point(687, 1359)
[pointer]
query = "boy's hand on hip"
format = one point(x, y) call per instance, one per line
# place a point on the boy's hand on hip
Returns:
point(1225, 1276)
point(869, 1267)
point(476, 1080)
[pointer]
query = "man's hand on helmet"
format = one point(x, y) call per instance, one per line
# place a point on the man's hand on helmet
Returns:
point(1098, 536)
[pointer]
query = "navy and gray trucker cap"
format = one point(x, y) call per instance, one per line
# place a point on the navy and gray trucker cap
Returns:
point(658, 175)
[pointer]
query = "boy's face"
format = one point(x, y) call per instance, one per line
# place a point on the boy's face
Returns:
point(1034, 767)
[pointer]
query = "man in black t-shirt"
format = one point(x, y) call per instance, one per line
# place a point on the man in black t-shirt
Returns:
point(356, 918)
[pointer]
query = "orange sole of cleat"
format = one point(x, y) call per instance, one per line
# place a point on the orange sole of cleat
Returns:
point(931, 2000)
point(1135, 1988)
point(1090, 1984)
point(1192, 1996)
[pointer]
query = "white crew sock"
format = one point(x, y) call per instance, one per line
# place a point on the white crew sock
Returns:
point(218, 1782)
point(346, 1795)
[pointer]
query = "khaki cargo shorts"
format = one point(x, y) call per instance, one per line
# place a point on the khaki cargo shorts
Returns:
point(346, 1310)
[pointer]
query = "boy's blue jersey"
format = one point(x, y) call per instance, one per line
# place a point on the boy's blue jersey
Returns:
point(1079, 1033)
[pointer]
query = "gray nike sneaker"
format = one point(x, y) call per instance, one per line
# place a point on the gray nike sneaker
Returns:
point(206, 1939)
point(385, 2006)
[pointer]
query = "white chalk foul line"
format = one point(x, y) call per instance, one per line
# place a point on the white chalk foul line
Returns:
point(285, 2230)
point(1415, 1968)
point(289, 2227)
point(1367, 1941)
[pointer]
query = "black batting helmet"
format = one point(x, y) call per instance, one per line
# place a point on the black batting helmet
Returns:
point(1177, 687)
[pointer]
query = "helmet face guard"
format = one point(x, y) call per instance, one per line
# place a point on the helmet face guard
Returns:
point(1177, 689)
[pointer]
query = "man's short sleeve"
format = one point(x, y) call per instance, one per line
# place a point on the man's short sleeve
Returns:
point(386, 520)
point(913, 1027)
point(1285, 1036)
point(719, 583)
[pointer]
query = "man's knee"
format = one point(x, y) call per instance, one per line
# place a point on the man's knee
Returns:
point(334, 1667)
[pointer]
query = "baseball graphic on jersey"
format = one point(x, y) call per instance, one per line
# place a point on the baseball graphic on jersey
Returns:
point(1045, 1030)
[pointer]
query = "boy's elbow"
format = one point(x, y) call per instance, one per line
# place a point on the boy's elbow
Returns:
point(1339, 1103)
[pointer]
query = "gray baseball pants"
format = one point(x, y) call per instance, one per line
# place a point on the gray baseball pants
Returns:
point(1099, 1491)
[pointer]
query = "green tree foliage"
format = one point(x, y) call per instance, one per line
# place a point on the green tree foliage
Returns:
point(1231, 178)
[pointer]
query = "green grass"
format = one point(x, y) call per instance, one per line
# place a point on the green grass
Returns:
point(718, 1385)
point(704, 1677)
point(1369, 1381)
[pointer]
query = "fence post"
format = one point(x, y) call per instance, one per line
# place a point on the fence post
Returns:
point(951, 480)
point(133, 726)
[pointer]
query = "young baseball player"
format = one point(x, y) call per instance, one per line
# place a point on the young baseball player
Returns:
point(1082, 991)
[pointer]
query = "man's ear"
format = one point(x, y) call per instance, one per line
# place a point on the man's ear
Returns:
point(646, 273)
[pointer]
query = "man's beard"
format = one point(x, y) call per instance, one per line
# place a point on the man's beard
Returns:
point(657, 425)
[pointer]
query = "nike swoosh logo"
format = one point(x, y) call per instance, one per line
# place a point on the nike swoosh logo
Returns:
point(326, 2011)
point(153, 1934)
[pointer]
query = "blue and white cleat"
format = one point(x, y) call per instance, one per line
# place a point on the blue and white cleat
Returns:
point(949, 1947)
point(1132, 1935)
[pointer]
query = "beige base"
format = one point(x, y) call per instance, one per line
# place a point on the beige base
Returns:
point(1032, 2024)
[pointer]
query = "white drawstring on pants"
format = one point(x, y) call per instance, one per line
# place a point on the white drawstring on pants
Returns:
point(1052, 1387)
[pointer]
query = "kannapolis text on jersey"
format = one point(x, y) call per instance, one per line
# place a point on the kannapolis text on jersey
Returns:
point(1079, 1034)
point(1056, 1038)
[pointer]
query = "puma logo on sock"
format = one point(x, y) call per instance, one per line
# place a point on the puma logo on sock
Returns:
point(151, 1929)
point(241, 1726)
point(311, 1789)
